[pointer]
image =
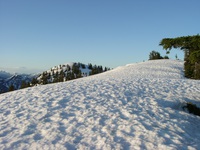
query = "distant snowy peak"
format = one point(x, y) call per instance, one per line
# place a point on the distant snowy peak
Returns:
point(4, 75)
point(13, 79)
point(19, 77)
point(67, 67)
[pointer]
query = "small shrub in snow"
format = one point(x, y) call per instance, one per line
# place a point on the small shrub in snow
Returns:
point(192, 108)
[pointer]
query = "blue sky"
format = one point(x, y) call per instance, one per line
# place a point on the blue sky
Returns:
point(39, 34)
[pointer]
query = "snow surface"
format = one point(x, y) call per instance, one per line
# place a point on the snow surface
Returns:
point(138, 106)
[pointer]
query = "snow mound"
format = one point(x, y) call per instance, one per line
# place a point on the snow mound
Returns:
point(155, 69)
point(137, 106)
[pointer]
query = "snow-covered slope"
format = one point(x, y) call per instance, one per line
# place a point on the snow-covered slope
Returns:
point(137, 106)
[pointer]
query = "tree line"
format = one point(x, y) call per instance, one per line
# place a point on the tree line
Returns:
point(67, 73)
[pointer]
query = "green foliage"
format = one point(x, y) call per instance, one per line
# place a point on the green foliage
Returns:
point(97, 69)
point(24, 84)
point(68, 68)
point(188, 69)
point(154, 55)
point(195, 57)
point(83, 66)
point(165, 57)
point(61, 76)
point(75, 69)
point(191, 46)
point(44, 78)
point(90, 66)
point(34, 81)
point(185, 42)
point(194, 61)
point(11, 88)
point(197, 70)
point(65, 73)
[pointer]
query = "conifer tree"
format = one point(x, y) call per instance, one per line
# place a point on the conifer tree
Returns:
point(45, 78)
point(83, 66)
point(191, 46)
point(23, 84)
point(34, 81)
point(61, 76)
point(155, 55)
point(68, 68)
point(90, 66)
point(11, 88)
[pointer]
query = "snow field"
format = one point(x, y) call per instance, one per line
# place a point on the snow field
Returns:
point(137, 106)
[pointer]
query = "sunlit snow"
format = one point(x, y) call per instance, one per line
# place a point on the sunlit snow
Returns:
point(137, 106)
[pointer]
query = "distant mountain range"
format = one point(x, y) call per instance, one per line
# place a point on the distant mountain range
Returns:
point(15, 80)
point(60, 73)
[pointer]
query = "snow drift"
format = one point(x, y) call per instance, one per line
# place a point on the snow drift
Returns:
point(137, 106)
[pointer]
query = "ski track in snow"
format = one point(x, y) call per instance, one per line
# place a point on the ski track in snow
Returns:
point(137, 106)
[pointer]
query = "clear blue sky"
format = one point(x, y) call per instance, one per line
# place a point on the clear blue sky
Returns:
point(39, 34)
